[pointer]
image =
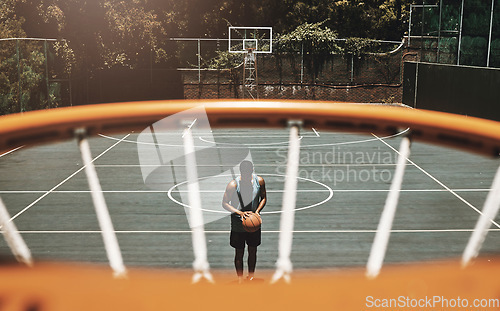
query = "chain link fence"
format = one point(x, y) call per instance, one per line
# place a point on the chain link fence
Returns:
point(456, 32)
point(209, 71)
point(36, 74)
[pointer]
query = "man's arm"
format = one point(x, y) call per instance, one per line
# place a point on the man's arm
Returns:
point(228, 194)
point(263, 195)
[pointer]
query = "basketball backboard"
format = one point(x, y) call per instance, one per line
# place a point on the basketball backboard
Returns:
point(259, 39)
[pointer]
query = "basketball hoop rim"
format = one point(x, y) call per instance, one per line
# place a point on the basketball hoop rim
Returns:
point(93, 288)
point(469, 133)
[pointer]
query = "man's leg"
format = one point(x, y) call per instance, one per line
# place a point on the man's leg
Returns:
point(252, 261)
point(237, 241)
point(253, 241)
point(238, 262)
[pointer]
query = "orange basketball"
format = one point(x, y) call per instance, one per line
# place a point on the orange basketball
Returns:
point(252, 223)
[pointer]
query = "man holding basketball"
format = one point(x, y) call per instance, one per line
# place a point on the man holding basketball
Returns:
point(244, 195)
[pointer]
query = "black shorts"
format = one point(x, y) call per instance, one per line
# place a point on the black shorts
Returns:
point(238, 239)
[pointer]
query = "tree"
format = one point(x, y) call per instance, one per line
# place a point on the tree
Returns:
point(132, 34)
point(135, 38)
point(106, 33)
point(21, 65)
point(318, 44)
point(10, 27)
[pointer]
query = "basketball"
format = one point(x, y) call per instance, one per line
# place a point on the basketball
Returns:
point(252, 223)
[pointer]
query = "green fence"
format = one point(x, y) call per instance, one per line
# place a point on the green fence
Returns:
point(459, 32)
point(464, 90)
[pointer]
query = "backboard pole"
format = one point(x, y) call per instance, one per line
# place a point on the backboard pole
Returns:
point(250, 41)
point(250, 86)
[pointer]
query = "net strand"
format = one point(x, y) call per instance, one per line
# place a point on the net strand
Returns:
point(381, 240)
point(489, 212)
point(108, 233)
point(200, 264)
point(284, 264)
point(13, 237)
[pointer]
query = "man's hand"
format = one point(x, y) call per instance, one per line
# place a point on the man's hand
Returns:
point(244, 215)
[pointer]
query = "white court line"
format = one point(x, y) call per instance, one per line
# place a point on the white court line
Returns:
point(284, 136)
point(228, 135)
point(265, 147)
point(439, 182)
point(259, 136)
point(192, 123)
point(189, 127)
point(315, 132)
point(62, 182)
point(222, 191)
point(227, 231)
point(142, 191)
point(10, 151)
point(219, 144)
point(256, 165)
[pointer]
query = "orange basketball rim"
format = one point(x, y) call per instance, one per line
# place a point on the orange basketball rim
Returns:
point(423, 286)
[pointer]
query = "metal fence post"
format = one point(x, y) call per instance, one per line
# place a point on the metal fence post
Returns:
point(460, 33)
point(302, 63)
point(491, 29)
point(18, 53)
point(47, 73)
point(199, 62)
